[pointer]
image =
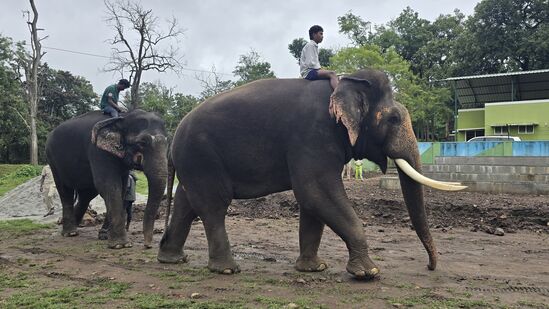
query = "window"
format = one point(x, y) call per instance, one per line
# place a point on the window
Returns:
point(527, 129)
point(500, 130)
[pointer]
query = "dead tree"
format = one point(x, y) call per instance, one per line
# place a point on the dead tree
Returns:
point(30, 63)
point(139, 45)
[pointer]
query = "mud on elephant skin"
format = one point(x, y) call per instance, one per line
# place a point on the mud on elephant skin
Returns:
point(93, 154)
point(280, 134)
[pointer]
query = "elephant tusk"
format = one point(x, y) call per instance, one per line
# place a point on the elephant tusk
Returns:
point(441, 185)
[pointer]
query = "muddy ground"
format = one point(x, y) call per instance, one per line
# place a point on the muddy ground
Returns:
point(476, 268)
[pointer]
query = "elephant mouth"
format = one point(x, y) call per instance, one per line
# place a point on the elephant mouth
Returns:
point(436, 184)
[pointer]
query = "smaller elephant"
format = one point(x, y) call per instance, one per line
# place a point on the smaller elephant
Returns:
point(93, 154)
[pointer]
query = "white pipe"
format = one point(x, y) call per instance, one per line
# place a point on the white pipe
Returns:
point(441, 185)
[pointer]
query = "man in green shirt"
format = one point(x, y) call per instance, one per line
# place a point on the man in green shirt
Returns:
point(109, 100)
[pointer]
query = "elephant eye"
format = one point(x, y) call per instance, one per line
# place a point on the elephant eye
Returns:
point(394, 119)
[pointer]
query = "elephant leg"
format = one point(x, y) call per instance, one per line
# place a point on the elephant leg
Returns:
point(66, 195)
point(220, 256)
point(212, 207)
point(110, 180)
point(321, 192)
point(310, 234)
point(173, 240)
point(84, 199)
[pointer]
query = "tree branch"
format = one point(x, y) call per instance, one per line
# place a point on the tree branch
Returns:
point(22, 118)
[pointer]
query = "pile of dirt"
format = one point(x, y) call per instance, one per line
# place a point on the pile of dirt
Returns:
point(377, 206)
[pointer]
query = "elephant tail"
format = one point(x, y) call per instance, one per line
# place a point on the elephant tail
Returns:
point(171, 178)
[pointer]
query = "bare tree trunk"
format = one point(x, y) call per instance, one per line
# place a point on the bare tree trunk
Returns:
point(32, 82)
point(135, 99)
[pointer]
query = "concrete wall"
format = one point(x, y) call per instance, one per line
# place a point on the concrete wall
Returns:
point(524, 175)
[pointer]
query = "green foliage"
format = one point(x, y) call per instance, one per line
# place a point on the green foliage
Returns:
point(296, 46)
point(250, 68)
point(21, 227)
point(506, 35)
point(355, 28)
point(27, 171)
point(19, 280)
point(13, 140)
point(436, 301)
point(158, 98)
point(13, 175)
point(63, 97)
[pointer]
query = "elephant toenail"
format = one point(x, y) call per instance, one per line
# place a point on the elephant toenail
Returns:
point(374, 271)
point(322, 267)
point(227, 271)
point(360, 273)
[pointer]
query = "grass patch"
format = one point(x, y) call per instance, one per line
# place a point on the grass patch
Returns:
point(272, 302)
point(21, 227)
point(186, 275)
point(437, 301)
point(100, 292)
point(148, 300)
point(12, 175)
point(530, 304)
point(17, 281)
point(142, 185)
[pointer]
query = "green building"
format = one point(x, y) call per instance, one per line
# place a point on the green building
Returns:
point(509, 104)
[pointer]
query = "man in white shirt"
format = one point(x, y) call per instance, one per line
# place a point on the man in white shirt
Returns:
point(309, 64)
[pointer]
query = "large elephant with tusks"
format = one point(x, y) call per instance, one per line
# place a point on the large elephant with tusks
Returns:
point(279, 134)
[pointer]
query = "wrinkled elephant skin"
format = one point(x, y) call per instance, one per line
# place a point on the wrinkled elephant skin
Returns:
point(280, 134)
point(93, 154)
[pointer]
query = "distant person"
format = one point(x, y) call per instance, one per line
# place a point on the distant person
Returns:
point(109, 100)
point(48, 189)
point(347, 170)
point(309, 64)
point(129, 198)
point(358, 169)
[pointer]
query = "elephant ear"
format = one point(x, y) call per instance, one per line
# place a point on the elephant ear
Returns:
point(107, 136)
point(348, 105)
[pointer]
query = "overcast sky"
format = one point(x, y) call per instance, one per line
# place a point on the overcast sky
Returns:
point(216, 32)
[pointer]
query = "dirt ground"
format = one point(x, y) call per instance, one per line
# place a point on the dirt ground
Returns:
point(476, 268)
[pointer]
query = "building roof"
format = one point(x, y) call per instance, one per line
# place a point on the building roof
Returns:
point(474, 91)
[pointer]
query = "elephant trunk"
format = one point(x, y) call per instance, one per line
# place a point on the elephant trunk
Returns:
point(413, 197)
point(155, 167)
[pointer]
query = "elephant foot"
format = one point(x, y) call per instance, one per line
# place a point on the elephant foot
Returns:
point(310, 264)
point(69, 232)
point(103, 234)
point(226, 267)
point(362, 268)
point(171, 258)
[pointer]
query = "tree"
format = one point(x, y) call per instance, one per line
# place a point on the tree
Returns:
point(64, 96)
point(139, 44)
point(172, 107)
point(505, 36)
point(250, 68)
point(30, 64)
point(14, 138)
point(355, 28)
point(324, 54)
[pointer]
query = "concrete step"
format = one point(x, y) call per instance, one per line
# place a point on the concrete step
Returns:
point(483, 169)
point(487, 177)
